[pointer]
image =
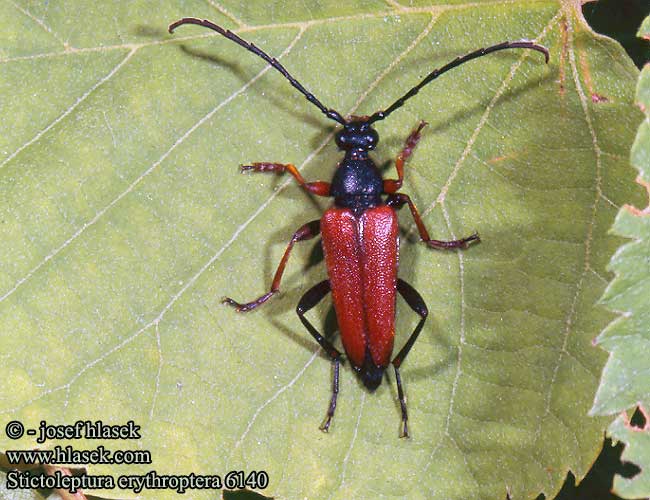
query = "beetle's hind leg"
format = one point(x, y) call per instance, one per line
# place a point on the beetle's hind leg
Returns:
point(415, 302)
point(306, 232)
point(308, 301)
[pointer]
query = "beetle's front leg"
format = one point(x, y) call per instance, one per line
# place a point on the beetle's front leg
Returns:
point(398, 200)
point(319, 188)
point(393, 185)
point(306, 232)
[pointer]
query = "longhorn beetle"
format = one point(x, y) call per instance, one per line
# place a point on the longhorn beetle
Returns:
point(359, 235)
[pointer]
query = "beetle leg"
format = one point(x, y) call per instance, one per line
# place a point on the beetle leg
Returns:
point(398, 200)
point(306, 232)
point(319, 188)
point(393, 185)
point(415, 302)
point(313, 296)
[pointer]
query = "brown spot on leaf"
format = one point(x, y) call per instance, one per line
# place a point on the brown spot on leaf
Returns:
point(509, 156)
point(586, 72)
point(563, 56)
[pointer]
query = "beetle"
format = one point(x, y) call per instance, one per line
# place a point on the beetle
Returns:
point(359, 235)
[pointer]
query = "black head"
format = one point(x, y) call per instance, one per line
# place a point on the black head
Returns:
point(357, 134)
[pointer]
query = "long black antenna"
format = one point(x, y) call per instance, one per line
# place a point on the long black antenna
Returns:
point(330, 113)
point(520, 44)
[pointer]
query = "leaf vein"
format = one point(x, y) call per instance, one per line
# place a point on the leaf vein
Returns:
point(41, 24)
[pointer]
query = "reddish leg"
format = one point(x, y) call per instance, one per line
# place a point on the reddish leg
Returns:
point(393, 185)
point(319, 188)
point(398, 200)
point(306, 232)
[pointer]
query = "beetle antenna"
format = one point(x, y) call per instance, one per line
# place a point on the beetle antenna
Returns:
point(330, 113)
point(520, 44)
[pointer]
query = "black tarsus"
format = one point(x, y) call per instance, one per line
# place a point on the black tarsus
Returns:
point(312, 297)
point(519, 44)
point(329, 113)
point(416, 303)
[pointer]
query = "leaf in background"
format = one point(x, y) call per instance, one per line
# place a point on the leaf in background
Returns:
point(637, 451)
point(123, 221)
point(624, 383)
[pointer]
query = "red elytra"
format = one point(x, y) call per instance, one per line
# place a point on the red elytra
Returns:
point(360, 254)
point(359, 235)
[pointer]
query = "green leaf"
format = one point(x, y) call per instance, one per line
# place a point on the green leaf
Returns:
point(637, 451)
point(123, 222)
point(624, 382)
